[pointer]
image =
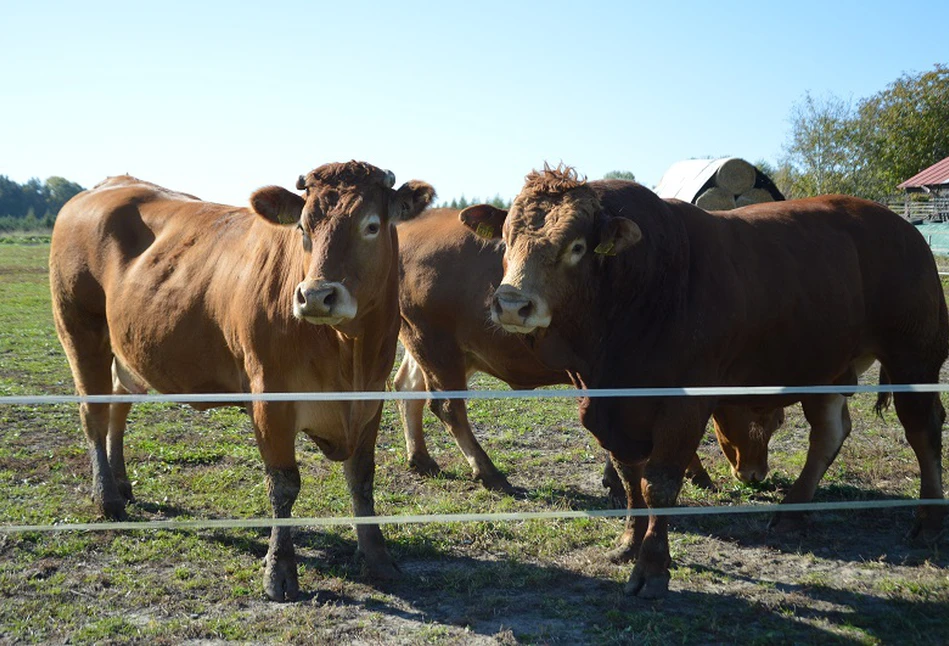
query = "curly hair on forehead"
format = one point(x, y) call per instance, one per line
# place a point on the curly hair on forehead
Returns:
point(351, 172)
point(553, 180)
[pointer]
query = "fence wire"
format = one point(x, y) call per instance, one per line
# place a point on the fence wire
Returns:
point(243, 398)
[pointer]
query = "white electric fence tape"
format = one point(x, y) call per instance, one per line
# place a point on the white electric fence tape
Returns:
point(467, 518)
point(696, 391)
point(242, 398)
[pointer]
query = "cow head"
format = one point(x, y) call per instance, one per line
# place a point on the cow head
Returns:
point(557, 237)
point(743, 435)
point(346, 222)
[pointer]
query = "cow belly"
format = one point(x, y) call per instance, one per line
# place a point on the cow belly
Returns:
point(170, 367)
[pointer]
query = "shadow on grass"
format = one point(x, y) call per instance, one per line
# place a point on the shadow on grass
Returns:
point(548, 603)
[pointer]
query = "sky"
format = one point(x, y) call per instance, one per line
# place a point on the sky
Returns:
point(219, 98)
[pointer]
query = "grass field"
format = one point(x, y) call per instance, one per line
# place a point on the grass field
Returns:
point(850, 579)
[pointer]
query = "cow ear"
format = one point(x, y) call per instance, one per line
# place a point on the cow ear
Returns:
point(484, 219)
point(278, 205)
point(618, 234)
point(412, 198)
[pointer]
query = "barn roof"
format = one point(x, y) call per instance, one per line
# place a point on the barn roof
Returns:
point(935, 175)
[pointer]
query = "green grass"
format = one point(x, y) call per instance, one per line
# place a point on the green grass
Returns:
point(518, 582)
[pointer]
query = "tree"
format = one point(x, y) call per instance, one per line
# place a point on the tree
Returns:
point(11, 198)
point(497, 202)
point(905, 128)
point(620, 174)
point(59, 191)
point(823, 153)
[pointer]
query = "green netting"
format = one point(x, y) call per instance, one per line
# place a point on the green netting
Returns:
point(937, 235)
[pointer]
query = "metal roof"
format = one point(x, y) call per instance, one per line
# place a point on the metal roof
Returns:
point(935, 175)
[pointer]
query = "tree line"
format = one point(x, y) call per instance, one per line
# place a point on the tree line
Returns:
point(33, 205)
point(869, 146)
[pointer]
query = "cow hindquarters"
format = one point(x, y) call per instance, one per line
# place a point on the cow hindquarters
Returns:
point(360, 474)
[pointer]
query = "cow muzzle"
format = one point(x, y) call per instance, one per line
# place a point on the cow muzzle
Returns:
point(750, 474)
point(323, 303)
point(518, 312)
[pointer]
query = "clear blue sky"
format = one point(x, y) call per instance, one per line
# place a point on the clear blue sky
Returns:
point(219, 98)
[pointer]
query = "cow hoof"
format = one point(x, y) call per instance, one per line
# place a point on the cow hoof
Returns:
point(113, 509)
point(623, 554)
point(647, 587)
point(495, 481)
point(924, 535)
point(280, 579)
point(125, 489)
point(788, 522)
point(703, 481)
point(424, 466)
point(383, 569)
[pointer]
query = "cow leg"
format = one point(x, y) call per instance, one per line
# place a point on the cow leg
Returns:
point(613, 483)
point(922, 416)
point(276, 445)
point(122, 384)
point(662, 480)
point(829, 418)
point(630, 478)
point(616, 491)
point(410, 378)
point(453, 413)
point(85, 340)
point(115, 444)
point(697, 474)
point(360, 472)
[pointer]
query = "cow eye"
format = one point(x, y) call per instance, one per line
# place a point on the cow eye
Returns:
point(307, 243)
point(373, 225)
point(575, 251)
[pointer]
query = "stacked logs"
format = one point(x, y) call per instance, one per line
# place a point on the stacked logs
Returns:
point(735, 183)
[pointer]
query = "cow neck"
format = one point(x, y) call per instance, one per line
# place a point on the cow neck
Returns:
point(638, 305)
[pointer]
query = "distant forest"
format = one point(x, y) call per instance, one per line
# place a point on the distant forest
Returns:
point(33, 205)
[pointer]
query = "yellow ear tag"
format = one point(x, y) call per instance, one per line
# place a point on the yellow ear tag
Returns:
point(485, 230)
point(605, 249)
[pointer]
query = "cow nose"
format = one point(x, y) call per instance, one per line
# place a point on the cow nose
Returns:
point(750, 476)
point(518, 312)
point(318, 300)
point(323, 302)
point(507, 303)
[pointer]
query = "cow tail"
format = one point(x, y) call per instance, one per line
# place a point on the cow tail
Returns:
point(883, 398)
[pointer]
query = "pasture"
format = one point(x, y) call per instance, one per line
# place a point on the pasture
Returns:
point(851, 578)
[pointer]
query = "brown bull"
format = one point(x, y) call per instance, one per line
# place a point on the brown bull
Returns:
point(157, 289)
point(624, 289)
point(447, 276)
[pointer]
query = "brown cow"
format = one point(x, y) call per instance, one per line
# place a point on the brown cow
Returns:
point(447, 277)
point(624, 289)
point(157, 289)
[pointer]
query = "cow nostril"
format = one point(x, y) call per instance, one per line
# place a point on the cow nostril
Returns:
point(497, 307)
point(526, 310)
point(300, 296)
point(330, 299)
